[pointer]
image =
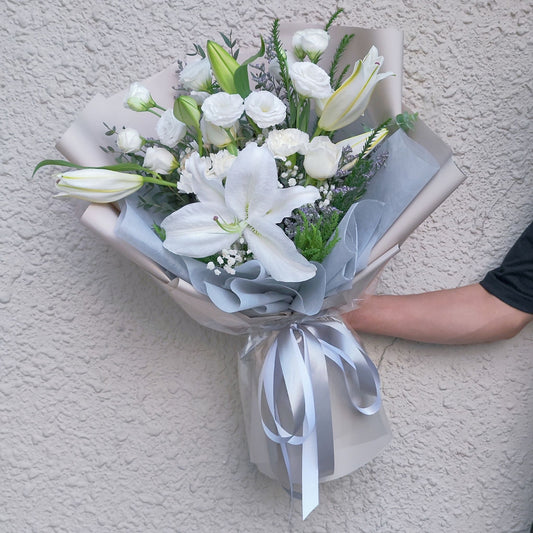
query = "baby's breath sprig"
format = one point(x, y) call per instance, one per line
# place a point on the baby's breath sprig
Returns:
point(229, 258)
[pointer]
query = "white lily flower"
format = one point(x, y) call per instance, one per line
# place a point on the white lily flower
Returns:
point(350, 100)
point(197, 179)
point(98, 185)
point(252, 205)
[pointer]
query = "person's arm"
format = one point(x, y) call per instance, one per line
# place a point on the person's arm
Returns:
point(465, 315)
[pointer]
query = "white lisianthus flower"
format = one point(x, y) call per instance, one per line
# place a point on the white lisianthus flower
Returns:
point(223, 109)
point(265, 108)
point(196, 76)
point(310, 80)
point(311, 42)
point(216, 135)
point(199, 96)
point(322, 157)
point(160, 160)
point(221, 162)
point(138, 98)
point(98, 185)
point(129, 141)
point(169, 129)
point(284, 143)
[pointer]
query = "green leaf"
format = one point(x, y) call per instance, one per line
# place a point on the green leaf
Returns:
point(119, 167)
point(406, 121)
point(240, 76)
point(159, 231)
point(54, 162)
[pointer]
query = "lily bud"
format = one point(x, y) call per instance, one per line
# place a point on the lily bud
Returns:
point(358, 142)
point(350, 100)
point(98, 185)
point(223, 65)
point(186, 110)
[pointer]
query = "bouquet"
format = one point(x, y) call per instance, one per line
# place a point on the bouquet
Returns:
point(264, 194)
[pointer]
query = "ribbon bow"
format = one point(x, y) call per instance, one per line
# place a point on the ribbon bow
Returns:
point(294, 399)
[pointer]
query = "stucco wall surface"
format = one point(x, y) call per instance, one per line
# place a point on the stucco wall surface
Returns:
point(119, 413)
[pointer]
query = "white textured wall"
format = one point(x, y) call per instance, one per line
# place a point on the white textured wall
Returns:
point(119, 413)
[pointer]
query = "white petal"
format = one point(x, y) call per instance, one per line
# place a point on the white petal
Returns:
point(252, 182)
point(287, 200)
point(277, 253)
point(192, 230)
point(207, 190)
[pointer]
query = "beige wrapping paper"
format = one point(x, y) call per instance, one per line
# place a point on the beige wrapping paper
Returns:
point(357, 438)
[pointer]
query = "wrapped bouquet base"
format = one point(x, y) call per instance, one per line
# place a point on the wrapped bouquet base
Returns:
point(310, 394)
point(311, 404)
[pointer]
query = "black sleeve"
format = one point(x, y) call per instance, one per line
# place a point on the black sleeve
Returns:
point(512, 282)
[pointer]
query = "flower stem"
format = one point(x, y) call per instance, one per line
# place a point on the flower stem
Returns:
point(318, 132)
point(200, 141)
point(159, 181)
point(154, 112)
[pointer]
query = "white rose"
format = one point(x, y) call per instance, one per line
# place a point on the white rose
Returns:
point(311, 42)
point(321, 159)
point(169, 129)
point(310, 80)
point(223, 109)
point(216, 135)
point(220, 164)
point(138, 98)
point(265, 108)
point(196, 76)
point(129, 141)
point(283, 143)
point(159, 160)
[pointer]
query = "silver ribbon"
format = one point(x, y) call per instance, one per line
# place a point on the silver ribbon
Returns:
point(294, 400)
